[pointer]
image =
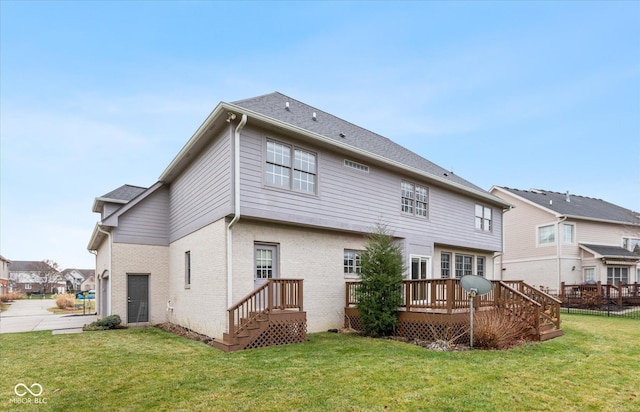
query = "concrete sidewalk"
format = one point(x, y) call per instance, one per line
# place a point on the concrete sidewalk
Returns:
point(29, 315)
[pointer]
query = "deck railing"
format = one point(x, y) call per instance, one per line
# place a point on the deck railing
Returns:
point(436, 294)
point(599, 293)
point(447, 295)
point(272, 295)
point(549, 306)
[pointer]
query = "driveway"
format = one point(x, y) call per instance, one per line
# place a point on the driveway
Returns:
point(29, 315)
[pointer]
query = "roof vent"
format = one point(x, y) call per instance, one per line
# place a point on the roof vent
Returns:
point(286, 106)
point(341, 134)
point(313, 116)
point(550, 202)
point(568, 197)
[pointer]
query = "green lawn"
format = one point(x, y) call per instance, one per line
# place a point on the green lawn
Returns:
point(594, 367)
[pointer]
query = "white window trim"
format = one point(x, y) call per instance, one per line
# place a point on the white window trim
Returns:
point(429, 266)
point(573, 241)
point(291, 167)
point(352, 275)
point(483, 218)
point(555, 235)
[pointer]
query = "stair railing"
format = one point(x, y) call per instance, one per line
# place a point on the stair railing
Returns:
point(272, 295)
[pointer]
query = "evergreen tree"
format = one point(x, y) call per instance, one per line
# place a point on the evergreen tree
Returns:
point(380, 291)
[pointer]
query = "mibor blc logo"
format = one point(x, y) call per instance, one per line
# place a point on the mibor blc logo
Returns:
point(34, 391)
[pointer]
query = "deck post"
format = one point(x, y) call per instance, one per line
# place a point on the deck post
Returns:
point(561, 290)
point(300, 294)
point(450, 295)
point(407, 295)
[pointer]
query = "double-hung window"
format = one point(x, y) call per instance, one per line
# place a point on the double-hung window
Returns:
point(415, 199)
point(483, 218)
point(290, 167)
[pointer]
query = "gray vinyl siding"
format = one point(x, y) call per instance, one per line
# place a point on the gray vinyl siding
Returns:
point(202, 194)
point(147, 223)
point(348, 199)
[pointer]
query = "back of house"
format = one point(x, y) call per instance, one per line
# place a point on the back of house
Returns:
point(272, 188)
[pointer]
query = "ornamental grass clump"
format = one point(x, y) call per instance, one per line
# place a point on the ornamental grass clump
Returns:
point(65, 301)
point(380, 291)
point(498, 329)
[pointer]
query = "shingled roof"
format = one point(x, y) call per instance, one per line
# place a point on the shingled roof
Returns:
point(124, 193)
point(566, 204)
point(288, 110)
point(610, 251)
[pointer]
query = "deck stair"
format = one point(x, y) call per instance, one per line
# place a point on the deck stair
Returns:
point(270, 315)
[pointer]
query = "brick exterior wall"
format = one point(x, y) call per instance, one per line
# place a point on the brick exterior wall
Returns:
point(316, 256)
point(140, 259)
point(201, 306)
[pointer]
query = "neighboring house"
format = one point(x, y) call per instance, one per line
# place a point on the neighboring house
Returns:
point(4, 275)
point(89, 283)
point(552, 238)
point(79, 279)
point(35, 277)
point(268, 188)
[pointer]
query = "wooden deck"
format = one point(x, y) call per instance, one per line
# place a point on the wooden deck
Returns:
point(433, 306)
point(599, 294)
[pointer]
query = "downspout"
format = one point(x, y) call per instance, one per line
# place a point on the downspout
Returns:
point(236, 204)
point(108, 269)
point(559, 248)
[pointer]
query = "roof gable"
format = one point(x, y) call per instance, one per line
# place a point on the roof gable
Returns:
point(566, 204)
point(121, 195)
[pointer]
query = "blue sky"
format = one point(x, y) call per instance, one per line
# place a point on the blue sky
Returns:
point(94, 95)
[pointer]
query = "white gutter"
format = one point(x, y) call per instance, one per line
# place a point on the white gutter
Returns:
point(108, 269)
point(559, 248)
point(236, 204)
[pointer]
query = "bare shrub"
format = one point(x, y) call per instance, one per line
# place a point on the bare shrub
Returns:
point(65, 301)
point(498, 329)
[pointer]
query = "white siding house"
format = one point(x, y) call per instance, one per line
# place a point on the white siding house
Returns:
point(551, 238)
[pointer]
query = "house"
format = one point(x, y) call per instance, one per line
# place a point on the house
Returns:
point(553, 238)
point(4, 275)
point(37, 277)
point(270, 189)
point(89, 283)
point(79, 279)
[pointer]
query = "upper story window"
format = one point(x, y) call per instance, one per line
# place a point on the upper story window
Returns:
point(297, 172)
point(631, 244)
point(415, 199)
point(546, 235)
point(568, 232)
point(484, 220)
